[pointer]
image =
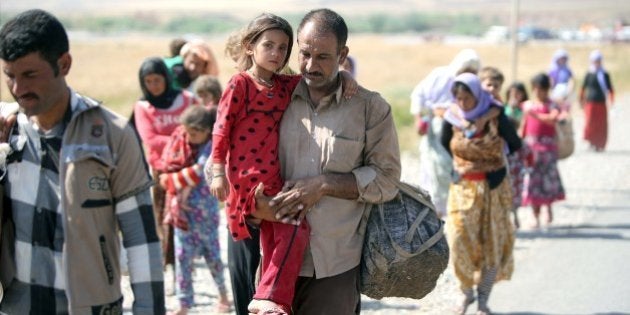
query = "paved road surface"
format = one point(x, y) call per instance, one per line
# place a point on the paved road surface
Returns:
point(583, 266)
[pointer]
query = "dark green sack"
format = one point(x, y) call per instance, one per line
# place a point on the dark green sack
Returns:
point(405, 251)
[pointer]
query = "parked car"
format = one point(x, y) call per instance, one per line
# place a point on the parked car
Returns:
point(534, 33)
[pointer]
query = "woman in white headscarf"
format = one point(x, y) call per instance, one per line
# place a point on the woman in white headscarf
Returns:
point(429, 100)
point(596, 96)
point(562, 82)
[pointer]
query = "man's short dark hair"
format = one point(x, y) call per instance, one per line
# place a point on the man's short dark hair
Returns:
point(34, 31)
point(328, 22)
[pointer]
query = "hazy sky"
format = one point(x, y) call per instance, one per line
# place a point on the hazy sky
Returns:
point(540, 10)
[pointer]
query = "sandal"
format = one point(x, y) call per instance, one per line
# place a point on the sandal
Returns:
point(465, 303)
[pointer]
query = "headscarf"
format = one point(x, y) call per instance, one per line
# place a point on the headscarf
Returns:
point(465, 59)
point(483, 98)
point(155, 65)
point(559, 73)
point(434, 91)
point(598, 70)
point(203, 51)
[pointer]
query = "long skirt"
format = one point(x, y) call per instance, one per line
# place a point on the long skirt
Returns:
point(516, 167)
point(596, 124)
point(479, 230)
point(543, 184)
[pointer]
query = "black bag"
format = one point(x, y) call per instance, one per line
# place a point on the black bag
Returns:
point(405, 251)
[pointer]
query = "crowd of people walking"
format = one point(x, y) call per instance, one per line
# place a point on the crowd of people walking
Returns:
point(501, 160)
point(80, 182)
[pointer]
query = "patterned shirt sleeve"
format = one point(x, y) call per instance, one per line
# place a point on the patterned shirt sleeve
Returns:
point(135, 218)
point(189, 176)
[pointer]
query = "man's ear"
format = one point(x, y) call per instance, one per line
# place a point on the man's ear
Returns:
point(64, 63)
point(343, 54)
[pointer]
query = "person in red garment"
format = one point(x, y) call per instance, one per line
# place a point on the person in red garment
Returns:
point(245, 153)
point(596, 96)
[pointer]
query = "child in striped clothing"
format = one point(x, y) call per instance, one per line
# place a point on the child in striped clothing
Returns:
point(190, 207)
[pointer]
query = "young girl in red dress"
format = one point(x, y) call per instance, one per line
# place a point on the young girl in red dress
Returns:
point(244, 154)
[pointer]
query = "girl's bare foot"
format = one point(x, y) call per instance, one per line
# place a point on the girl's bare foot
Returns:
point(549, 215)
point(517, 223)
point(261, 307)
point(536, 211)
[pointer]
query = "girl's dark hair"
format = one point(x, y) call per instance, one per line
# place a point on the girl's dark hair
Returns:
point(518, 86)
point(198, 117)
point(34, 31)
point(460, 86)
point(541, 81)
point(237, 43)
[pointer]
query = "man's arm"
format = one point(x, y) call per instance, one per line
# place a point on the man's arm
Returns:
point(130, 183)
point(135, 218)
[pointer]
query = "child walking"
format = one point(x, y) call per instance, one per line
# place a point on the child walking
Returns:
point(515, 97)
point(190, 208)
point(542, 184)
point(245, 154)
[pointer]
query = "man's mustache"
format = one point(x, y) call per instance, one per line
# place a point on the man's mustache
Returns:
point(27, 96)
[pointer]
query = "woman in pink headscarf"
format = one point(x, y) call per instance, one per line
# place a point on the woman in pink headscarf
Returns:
point(595, 97)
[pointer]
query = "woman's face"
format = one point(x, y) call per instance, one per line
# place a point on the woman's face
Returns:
point(155, 84)
point(465, 100)
point(194, 65)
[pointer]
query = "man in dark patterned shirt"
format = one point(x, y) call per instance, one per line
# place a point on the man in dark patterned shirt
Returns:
point(74, 180)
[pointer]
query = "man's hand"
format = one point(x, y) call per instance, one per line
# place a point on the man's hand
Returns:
point(264, 210)
point(297, 198)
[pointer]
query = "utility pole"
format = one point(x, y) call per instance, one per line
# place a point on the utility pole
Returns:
point(514, 37)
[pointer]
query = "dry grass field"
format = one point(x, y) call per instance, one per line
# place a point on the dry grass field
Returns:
point(106, 68)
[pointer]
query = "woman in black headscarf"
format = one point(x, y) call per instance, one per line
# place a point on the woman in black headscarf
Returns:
point(155, 117)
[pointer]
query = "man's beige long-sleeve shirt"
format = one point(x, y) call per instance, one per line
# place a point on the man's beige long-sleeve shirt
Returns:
point(341, 135)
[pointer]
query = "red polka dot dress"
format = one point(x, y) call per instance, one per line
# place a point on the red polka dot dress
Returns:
point(245, 138)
